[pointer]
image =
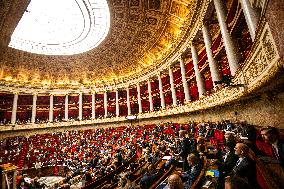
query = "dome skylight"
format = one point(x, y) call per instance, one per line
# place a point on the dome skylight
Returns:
point(62, 27)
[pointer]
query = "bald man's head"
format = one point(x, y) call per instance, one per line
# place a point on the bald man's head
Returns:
point(175, 182)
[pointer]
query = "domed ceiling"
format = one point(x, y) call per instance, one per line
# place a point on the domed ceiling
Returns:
point(143, 33)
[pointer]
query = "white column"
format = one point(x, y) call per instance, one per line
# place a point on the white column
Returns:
point(150, 96)
point(14, 109)
point(212, 62)
point(116, 103)
point(184, 82)
point(3, 184)
point(161, 91)
point(251, 16)
point(199, 79)
point(105, 103)
point(173, 90)
point(128, 102)
point(51, 108)
point(231, 49)
point(66, 107)
point(93, 106)
point(80, 106)
point(34, 108)
point(14, 179)
point(139, 98)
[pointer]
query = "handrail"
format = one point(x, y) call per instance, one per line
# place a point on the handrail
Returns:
point(163, 177)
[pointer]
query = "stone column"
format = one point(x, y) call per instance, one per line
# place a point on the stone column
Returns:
point(14, 109)
point(173, 90)
point(3, 184)
point(14, 185)
point(199, 79)
point(161, 91)
point(105, 103)
point(34, 108)
point(128, 102)
point(139, 98)
point(150, 96)
point(251, 16)
point(116, 103)
point(184, 82)
point(80, 106)
point(93, 106)
point(66, 107)
point(51, 108)
point(14, 179)
point(212, 62)
point(231, 49)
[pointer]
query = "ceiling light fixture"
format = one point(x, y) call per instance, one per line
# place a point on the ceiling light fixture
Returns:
point(64, 27)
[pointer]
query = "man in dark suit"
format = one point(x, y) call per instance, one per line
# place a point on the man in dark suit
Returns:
point(184, 148)
point(209, 132)
point(229, 159)
point(245, 167)
point(271, 136)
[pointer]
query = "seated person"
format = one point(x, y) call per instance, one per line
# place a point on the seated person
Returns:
point(271, 136)
point(245, 167)
point(148, 178)
point(229, 137)
point(228, 160)
point(209, 132)
point(195, 167)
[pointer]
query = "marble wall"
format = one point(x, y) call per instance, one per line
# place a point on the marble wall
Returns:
point(275, 18)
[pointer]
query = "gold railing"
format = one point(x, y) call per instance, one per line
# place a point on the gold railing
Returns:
point(259, 68)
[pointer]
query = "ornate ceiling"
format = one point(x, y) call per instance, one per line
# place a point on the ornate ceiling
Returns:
point(142, 35)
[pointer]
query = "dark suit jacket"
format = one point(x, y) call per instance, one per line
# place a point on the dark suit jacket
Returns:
point(247, 170)
point(185, 148)
point(191, 175)
point(228, 165)
point(209, 133)
point(280, 146)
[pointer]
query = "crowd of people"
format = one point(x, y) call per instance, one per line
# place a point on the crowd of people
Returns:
point(88, 155)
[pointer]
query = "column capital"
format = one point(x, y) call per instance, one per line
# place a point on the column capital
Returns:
point(180, 52)
point(158, 73)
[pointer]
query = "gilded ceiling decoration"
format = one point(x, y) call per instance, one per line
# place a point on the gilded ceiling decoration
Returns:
point(142, 34)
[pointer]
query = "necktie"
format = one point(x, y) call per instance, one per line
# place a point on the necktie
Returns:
point(275, 152)
point(235, 168)
point(238, 162)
